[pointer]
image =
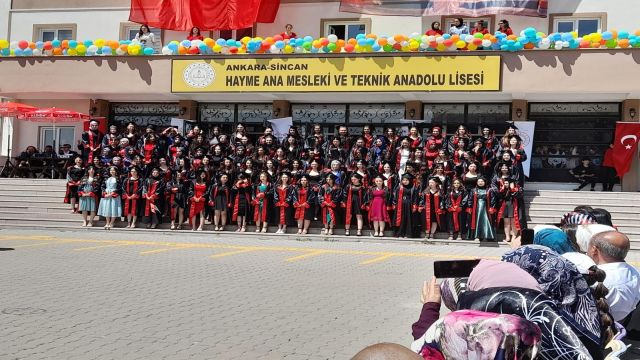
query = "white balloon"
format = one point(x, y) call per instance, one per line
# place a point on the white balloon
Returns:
point(558, 45)
point(544, 45)
point(37, 52)
point(13, 45)
point(92, 48)
point(404, 43)
point(391, 41)
point(120, 52)
point(565, 44)
point(486, 43)
point(166, 51)
point(424, 46)
point(452, 48)
point(439, 39)
point(468, 38)
point(332, 38)
point(274, 50)
point(196, 43)
point(48, 52)
point(299, 50)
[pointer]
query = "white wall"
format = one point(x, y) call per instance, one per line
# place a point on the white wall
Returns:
point(621, 14)
point(92, 24)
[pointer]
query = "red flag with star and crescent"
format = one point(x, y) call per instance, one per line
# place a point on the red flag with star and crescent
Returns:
point(625, 146)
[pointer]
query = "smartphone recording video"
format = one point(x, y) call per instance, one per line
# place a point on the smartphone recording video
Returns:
point(454, 268)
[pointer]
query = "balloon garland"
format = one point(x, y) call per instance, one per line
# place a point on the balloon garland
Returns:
point(528, 39)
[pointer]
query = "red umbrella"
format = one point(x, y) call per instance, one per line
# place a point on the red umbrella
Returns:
point(14, 109)
point(54, 115)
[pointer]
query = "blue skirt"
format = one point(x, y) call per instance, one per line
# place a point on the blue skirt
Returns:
point(110, 207)
point(87, 203)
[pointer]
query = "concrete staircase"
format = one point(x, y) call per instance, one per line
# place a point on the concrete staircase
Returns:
point(38, 204)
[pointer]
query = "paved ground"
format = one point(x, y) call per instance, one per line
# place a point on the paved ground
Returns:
point(141, 295)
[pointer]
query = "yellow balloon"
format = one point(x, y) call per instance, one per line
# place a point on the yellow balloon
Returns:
point(99, 43)
point(441, 47)
point(242, 50)
point(217, 48)
point(472, 46)
point(288, 49)
point(4, 44)
point(461, 44)
point(72, 52)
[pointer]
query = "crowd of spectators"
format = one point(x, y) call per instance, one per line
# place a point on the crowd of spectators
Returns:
point(459, 185)
point(569, 294)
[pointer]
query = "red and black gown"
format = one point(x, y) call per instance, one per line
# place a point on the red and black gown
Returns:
point(510, 204)
point(132, 196)
point(177, 193)
point(241, 203)
point(220, 197)
point(456, 205)
point(352, 202)
point(304, 203)
point(197, 198)
point(405, 205)
point(432, 147)
point(74, 175)
point(432, 205)
point(329, 199)
point(283, 200)
point(91, 145)
point(153, 192)
point(261, 198)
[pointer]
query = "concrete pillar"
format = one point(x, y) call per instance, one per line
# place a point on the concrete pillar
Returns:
point(188, 110)
point(631, 113)
point(521, 108)
point(413, 110)
point(281, 109)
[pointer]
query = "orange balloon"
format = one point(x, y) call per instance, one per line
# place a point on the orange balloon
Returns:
point(455, 38)
point(372, 36)
point(124, 47)
point(529, 46)
point(182, 50)
point(512, 37)
point(487, 36)
point(340, 43)
point(398, 38)
point(352, 41)
point(623, 43)
point(615, 33)
point(382, 41)
point(637, 33)
point(32, 45)
point(114, 44)
point(65, 44)
point(57, 51)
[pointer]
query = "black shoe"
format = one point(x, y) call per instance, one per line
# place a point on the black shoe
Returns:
point(577, 189)
point(592, 189)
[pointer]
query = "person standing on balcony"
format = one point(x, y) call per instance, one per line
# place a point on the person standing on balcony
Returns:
point(288, 32)
point(435, 29)
point(146, 37)
point(195, 34)
point(458, 27)
point(503, 27)
point(479, 28)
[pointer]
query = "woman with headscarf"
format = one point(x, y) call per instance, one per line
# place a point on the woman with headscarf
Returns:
point(554, 239)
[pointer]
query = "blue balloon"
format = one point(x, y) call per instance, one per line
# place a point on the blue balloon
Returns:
point(529, 32)
point(314, 49)
point(574, 44)
point(56, 43)
point(607, 35)
point(5, 52)
point(148, 51)
point(362, 42)
point(376, 47)
point(446, 36)
point(307, 39)
point(231, 42)
point(326, 49)
point(106, 50)
point(279, 44)
point(523, 40)
point(27, 52)
point(186, 43)
point(18, 52)
point(173, 47)
point(504, 47)
point(360, 36)
point(564, 37)
point(39, 45)
point(73, 44)
point(371, 41)
point(221, 42)
point(623, 35)
point(88, 43)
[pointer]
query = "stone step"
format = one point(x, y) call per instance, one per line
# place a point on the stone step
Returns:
point(617, 215)
point(42, 198)
point(631, 206)
point(34, 203)
point(555, 220)
point(583, 195)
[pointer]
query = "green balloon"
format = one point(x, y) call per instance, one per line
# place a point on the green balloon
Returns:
point(331, 46)
point(611, 43)
point(478, 35)
point(387, 48)
point(307, 45)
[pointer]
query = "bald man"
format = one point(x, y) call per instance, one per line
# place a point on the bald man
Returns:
point(386, 351)
point(608, 249)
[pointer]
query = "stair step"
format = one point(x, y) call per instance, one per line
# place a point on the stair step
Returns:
point(617, 215)
point(556, 205)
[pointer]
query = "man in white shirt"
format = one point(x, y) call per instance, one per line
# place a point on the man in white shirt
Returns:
point(608, 249)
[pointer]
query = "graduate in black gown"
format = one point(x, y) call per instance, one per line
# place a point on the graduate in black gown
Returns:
point(405, 205)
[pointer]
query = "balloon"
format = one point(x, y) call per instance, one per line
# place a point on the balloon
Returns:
point(349, 48)
point(186, 43)
point(196, 43)
point(231, 42)
point(192, 50)
point(221, 42)
point(461, 44)
point(87, 43)
point(4, 44)
point(47, 45)
point(375, 47)
point(18, 52)
point(82, 49)
point(332, 38)
point(5, 52)
point(279, 44)
point(72, 44)
point(611, 43)
point(623, 43)
point(23, 44)
point(13, 45)
point(529, 32)
point(486, 43)
point(106, 50)
point(607, 35)
point(38, 52)
point(57, 51)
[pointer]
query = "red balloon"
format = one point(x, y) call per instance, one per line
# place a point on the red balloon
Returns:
point(194, 50)
point(447, 42)
point(233, 50)
point(324, 42)
point(47, 45)
point(23, 44)
point(349, 48)
point(397, 46)
point(277, 38)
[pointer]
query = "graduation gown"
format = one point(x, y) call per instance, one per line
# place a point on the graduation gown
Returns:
point(261, 198)
point(153, 192)
point(283, 201)
point(456, 203)
point(405, 206)
point(305, 201)
point(352, 202)
point(132, 196)
point(329, 198)
point(432, 206)
point(178, 193)
point(74, 175)
point(510, 204)
point(241, 194)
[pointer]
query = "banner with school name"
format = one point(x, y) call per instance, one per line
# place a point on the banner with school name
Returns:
point(337, 74)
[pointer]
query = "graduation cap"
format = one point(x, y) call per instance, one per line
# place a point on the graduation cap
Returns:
point(436, 128)
point(408, 176)
point(512, 125)
point(331, 176)
point(480, 140)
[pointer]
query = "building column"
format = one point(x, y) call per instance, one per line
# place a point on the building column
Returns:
point(413, 110)
point(281, 109)
point(188, 110)
point(519, 110)
point(631, 113)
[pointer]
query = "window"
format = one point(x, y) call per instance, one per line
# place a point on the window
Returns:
point(49, 32)
point(129, 30)
point(61, 135)
point(345, 28)
point(237, 34)
point(489, 22)
point(583, 24)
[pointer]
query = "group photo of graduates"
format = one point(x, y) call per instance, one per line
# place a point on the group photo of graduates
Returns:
point(458, 186)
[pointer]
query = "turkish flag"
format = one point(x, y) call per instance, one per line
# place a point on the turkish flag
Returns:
point(182, 15)
point(625, 146)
